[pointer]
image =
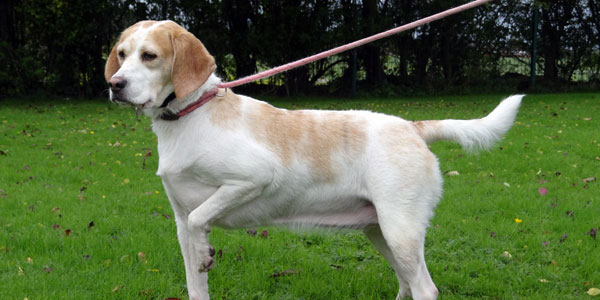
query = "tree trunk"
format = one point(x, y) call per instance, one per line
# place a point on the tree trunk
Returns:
point(371, 53)
point(239, 13)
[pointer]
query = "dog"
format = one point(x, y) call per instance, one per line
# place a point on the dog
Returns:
point(231, 161)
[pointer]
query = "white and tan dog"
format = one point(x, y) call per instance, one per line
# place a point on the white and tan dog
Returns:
point(232, 161)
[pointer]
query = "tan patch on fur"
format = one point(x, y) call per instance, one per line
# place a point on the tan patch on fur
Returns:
point(193, 64)
point(426, 128)
point(225, 111)
point(305, 135)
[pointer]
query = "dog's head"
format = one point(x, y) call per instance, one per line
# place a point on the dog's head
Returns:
point(153, 59)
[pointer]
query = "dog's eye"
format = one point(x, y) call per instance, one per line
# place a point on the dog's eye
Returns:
point(121, 54)
point(148, 56)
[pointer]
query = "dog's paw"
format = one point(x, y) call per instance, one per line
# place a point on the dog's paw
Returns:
point(208, 262)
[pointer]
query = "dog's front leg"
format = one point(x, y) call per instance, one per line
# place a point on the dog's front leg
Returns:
point(197, 283)
point(228, 196)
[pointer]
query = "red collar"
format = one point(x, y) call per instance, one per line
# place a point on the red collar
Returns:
point(170, 116)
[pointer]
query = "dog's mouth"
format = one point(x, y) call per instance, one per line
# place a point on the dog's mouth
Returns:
point(126, 102)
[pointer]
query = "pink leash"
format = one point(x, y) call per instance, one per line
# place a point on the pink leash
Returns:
point(352, 45)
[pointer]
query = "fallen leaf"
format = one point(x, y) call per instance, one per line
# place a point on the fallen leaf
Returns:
point(587, 119)
point(543, 191)
point(589, 179)
point(167, 217)
point(453, 173)
point(593, 292)
point(283, 273)
point(21, 272)
point(570, 214)
point(3, 152)
point(29, 260)
point(91, 225)
point(563, 237)
point(68, 232)
point(55, 209)
point(544, 280)
point(142, 257)
point(506, 184)
point(115, 289)
point(492, 234)
point(48, 269)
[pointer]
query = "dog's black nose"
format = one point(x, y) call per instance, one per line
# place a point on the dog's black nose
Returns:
point(117, 83)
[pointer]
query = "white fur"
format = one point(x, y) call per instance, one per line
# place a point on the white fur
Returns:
point(386, 182)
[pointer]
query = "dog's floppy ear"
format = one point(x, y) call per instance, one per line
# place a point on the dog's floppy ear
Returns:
point(112, 63)
point(192, 64)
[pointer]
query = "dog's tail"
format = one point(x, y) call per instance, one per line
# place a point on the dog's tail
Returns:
point(473, 134)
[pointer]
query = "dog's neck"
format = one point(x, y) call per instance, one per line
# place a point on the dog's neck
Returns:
point(174, 106)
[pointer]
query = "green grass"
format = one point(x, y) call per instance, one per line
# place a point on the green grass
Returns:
point(65, 164)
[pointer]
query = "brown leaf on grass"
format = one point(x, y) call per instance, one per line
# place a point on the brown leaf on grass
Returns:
point(146, 292)
point(48, 269)
point(55, 209)
point(563, 237)
point(142, 257)
point(68, 232)
point(492, 234)
point(283, 273)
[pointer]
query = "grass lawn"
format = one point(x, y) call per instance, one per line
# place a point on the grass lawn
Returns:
point(82, 215)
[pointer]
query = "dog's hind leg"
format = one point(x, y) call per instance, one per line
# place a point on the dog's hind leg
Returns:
point(404, 235)
point(373, 233)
